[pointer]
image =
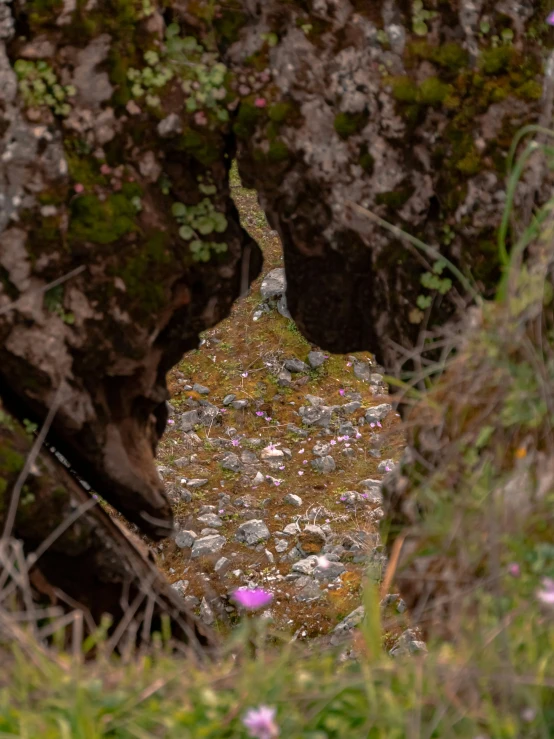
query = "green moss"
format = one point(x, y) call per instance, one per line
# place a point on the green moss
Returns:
point(451, 56)
point(404, 90)
point(101, 222)
point(433, 91)
point(229, 24)
point(395, 199)
point(366, 160)
point(247, 119)
point(495, 61)
point(205, 147)
point(11, 462)
point(144, 269)
point(347, 124)
point(278, 152)
point(279, 112)
point(43, 12)
point(530, 90)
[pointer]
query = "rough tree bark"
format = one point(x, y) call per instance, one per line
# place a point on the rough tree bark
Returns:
point(118, 123)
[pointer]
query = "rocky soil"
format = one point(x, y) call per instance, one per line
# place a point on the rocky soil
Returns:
point(273, 461)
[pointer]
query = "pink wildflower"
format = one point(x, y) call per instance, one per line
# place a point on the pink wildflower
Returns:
point(244, 374)
point(300, 472)
point(341, 391)
point(514, 569)
point(170, 421)
point(277, 482)
point(260, 102)
point(105, 169)
point(79, 188)
point(259, 413)
point(550, 19)
point(260, 723)
point(253, 599)
point(349, 364)
point(305, 461)
point(333, 442)
point(300, 451)
point(235, 442)
point(268, 419)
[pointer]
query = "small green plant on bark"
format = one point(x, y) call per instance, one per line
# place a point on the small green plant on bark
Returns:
point(197, 221)
point(39, 86)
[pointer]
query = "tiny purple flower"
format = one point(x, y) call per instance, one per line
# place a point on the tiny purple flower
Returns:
point(342, 498)
point(259, 413)
point(550, 19)
point(546, 595)
point(372, 425)
point(223, 410)
point(358, 435)
point(387, 468)
point(170, 421)
point(349, 364)
point(221, 510)
point(235, 442)
point(300, 451)
point(305, 461)
point(341, 391)
point(379, 424)
point(281, 466)
point(364, 495)
point(268, 419)
point(253, 599)
point(514, 569)
point(260, 723)
point(244, 374)
point(333, 442)
point(346, 437)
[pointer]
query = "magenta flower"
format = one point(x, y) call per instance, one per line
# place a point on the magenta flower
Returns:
point(358, 435)
point(259, 413)
point(333, 442)
point(372, 425)
point(514, 569)
point(379, 424)
point(235, 442)
point(550, 19)
point(277, 482)
point(170, 421)
point(341, 391)
point(244, 374)
point(260, 723)
point(305, 461)
point(300, 472)
point(253, 599)
point(268, 419)
point(349, 364)
point(546, 595)
point(281, 466)
point(300, 451)
point(260, 102)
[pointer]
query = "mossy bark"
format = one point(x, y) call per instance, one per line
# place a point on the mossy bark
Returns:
point(116, 111)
